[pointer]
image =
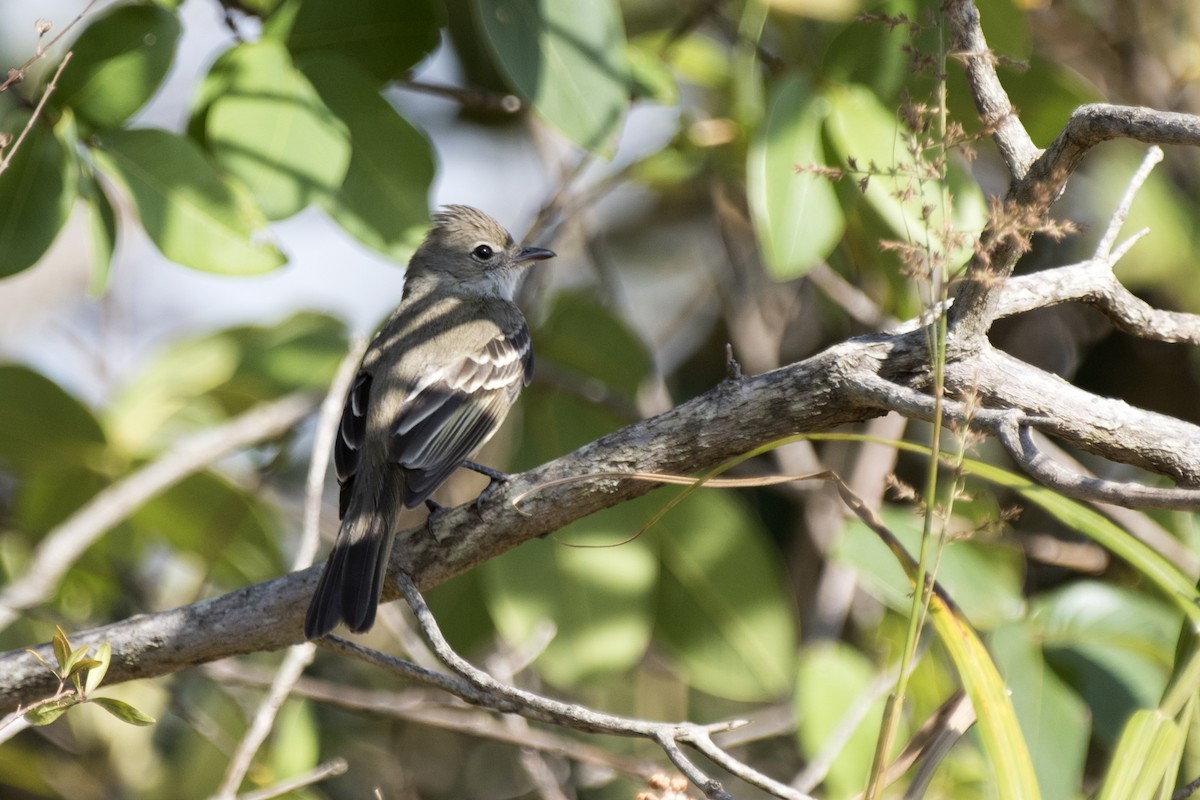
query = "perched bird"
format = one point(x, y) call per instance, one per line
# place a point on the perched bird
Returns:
point(434, 385)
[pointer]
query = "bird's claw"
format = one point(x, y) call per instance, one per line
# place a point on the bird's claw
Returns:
point(436, 510)
point(495, 478)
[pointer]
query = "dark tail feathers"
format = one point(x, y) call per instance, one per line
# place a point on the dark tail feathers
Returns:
point(352, 581)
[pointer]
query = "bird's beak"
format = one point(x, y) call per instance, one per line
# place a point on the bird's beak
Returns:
point(533, 254)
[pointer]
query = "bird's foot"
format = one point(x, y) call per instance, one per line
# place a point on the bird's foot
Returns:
point(495, 478)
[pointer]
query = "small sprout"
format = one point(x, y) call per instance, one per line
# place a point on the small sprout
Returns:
point(86, 671)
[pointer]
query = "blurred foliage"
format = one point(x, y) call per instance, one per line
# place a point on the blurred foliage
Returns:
point(708, 614)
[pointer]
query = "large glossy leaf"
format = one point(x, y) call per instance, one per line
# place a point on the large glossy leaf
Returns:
point(723, 611)
point(872, 53)
point(194, 218)
point(386, 39)
point(567, 59)
point(269, 128)
point(1054, 720)
point(595, 588)
point(52, 442)
point(38, 421)
point(383, 200)
point(36, 193)
point(796, 213)
point(1114, 645)
point(119, 62)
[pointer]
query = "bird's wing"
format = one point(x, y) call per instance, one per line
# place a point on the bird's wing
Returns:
point(350, 437)
point(454, 409)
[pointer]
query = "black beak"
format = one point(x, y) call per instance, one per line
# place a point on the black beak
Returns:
point(533, 254)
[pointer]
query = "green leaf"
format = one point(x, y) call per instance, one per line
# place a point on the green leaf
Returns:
point(39, 421)
point(96, 674)
point(1115, 646)
point(795, 213)
point(44, 715)
point(82, 662)
point(582, 344)
point(904, 190)
point(695, 57)
point(1143, 758)
point(1055, 722)
point(213, 517)
point(984, 578)
point(832, 680)
point(37, 192)
point(723, 609)
point(383, 201)
point(119, 62)
point(193, 217)
point(195, 383)
point(295, 740)
point(62, 649)
point(183, 377)
point(102, 230)
point(123, 711)
point(269, 128)
point(567, 59)
point(598, 594)
point(997, 725)
point(996, 720)
point(385, 39)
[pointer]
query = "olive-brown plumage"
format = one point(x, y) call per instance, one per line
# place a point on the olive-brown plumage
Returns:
point(433, 387)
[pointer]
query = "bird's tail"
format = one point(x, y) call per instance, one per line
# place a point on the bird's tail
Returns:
point(353, 578)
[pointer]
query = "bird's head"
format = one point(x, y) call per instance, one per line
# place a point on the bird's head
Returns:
point(474, 252)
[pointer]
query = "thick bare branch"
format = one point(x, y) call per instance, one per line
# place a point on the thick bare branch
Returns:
point(996, 111)
point(1018, 441)
point(733, 418)
point(1037, 178)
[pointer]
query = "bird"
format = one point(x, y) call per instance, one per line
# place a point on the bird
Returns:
point(433, 386)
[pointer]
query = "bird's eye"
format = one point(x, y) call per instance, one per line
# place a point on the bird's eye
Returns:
point(483, 252)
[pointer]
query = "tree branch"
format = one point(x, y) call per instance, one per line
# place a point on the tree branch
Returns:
point(1037, 178)
point(62, 547)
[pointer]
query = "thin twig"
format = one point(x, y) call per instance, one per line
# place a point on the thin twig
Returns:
point(1104, 247)
point(17, 74)
point(472, 99)
point(330, 769)
point(1018, 441)
point(294, 663)
point(50, 87)
point(668, 735)
point(419, 706)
